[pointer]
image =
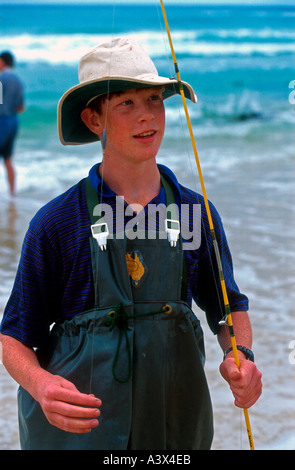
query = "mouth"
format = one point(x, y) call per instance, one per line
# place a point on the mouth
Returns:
point(145, 135)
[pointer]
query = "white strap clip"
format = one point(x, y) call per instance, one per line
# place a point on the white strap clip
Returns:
point(100, 232)
point(172, 228)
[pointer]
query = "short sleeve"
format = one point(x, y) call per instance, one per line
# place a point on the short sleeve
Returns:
point(33, 300)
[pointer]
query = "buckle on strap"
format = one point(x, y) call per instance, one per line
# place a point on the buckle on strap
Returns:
point(100, 232)
point(172, 228)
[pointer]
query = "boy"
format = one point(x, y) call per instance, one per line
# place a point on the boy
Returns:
point(126, 352)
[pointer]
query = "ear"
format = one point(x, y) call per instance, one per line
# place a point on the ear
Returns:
point(91, 120)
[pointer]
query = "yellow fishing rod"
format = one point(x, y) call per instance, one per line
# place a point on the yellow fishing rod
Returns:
point(228, 316)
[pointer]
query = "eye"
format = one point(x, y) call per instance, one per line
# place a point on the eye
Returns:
point(157, 97)
point(127, 102)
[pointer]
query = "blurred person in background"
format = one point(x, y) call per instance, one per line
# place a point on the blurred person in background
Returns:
point(11, 104)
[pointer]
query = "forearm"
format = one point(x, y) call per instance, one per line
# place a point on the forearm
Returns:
point(63, 405)
point(22, 364)
point(242, 330)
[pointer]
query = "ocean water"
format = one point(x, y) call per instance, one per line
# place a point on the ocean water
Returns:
point(241, 62)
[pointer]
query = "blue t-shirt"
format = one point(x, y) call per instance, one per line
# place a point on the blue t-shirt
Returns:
point(54, 278)
point(11, 93)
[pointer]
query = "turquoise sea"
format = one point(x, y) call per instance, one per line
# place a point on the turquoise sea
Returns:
point(241, 62)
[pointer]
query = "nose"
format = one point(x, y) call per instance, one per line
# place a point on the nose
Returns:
point(145, 113)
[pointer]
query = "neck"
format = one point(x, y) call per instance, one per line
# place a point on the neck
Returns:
point(138, 183)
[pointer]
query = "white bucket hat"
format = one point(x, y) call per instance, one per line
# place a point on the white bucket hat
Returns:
point(115, 66)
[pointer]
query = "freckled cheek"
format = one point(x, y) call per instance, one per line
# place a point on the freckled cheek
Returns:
point(116, 134)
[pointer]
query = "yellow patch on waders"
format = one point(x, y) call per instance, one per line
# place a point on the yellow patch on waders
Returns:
point(136, 268)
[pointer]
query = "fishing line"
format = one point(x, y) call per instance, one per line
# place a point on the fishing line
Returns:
point(192, 167)
point(193, 171)
point(228, 318)
point(100, 193)
point(104, 136)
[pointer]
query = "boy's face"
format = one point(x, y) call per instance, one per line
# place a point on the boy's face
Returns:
point(135, 124)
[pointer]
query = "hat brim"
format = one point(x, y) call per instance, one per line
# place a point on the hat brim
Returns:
point(72, 130)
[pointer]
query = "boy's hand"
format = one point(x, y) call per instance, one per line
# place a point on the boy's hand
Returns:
point(65, 407)
point(245, 383)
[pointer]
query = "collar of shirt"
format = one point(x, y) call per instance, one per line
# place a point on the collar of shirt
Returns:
point(105, 191)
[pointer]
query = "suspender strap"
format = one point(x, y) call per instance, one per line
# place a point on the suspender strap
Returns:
point(92, 201)
point(170, 199)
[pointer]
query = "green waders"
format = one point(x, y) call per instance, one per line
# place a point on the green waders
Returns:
point(140, 350)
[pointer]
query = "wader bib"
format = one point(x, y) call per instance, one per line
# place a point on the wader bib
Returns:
point(140, 350)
